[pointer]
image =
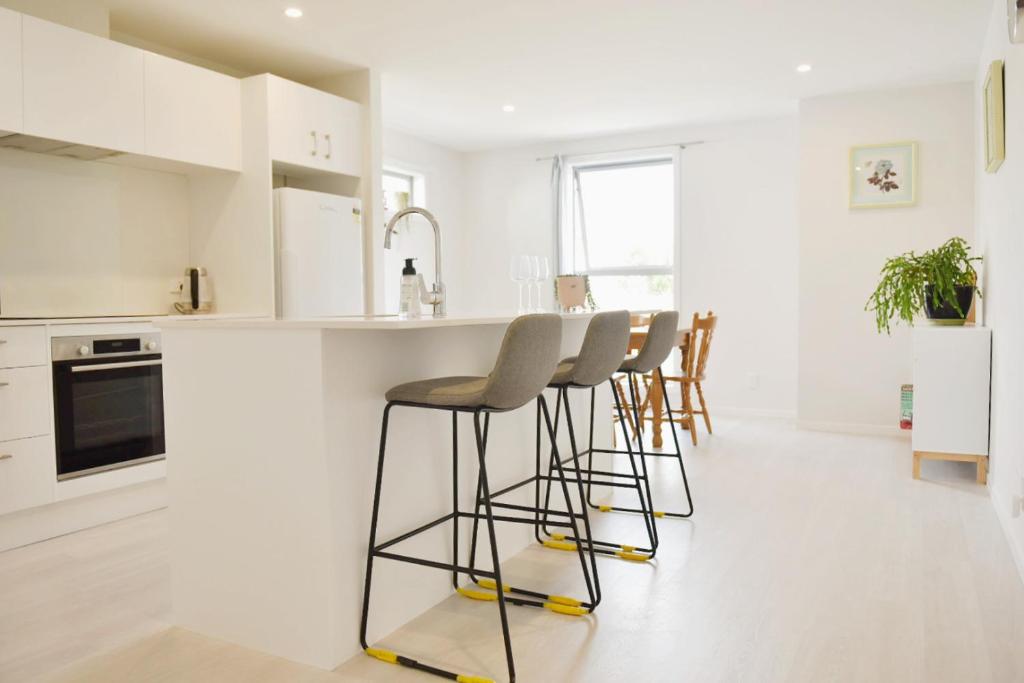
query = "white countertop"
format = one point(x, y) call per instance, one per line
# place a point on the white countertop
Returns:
point(368, 322)
point(24, 322)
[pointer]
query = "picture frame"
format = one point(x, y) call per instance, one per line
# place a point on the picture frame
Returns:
point(883, 175)
point(993, 103)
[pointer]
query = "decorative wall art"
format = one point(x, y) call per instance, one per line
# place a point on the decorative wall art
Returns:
point(883, 175)
point(995, 123)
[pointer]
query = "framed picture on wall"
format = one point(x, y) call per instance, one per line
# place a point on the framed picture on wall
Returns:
point(883, 176)
point(995, 123)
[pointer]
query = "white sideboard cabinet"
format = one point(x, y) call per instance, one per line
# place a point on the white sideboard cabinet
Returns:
point(952, 379)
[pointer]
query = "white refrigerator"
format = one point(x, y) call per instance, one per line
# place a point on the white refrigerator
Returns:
point(319, 254)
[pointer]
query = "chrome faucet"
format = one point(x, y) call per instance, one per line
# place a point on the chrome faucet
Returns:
point(437, 297)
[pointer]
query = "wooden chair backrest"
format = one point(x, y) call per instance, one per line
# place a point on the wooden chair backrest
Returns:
point(640, 319)
point(701, 332)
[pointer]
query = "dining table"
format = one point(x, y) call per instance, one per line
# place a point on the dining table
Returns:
point(637, 337)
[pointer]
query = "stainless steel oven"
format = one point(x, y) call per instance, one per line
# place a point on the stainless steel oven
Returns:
point(107, 402)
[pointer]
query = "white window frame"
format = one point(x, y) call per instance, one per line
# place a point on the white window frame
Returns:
point(568, 197)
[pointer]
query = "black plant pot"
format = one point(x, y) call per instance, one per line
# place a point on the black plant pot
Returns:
point(945, 313)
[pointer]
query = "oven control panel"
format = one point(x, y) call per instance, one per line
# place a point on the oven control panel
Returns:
point(106, 346)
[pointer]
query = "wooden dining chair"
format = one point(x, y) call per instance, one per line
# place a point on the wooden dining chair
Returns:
point(694, 367)
point(635, 320)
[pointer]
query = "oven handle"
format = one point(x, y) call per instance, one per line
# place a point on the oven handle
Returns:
point(115, 366)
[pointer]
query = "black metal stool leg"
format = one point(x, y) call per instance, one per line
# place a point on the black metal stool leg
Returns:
point(679, 455)
point(481, 446)
point(373, 528)
point(455, 498)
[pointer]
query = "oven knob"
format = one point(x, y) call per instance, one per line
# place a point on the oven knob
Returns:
point(83, 350)
point(151, 346)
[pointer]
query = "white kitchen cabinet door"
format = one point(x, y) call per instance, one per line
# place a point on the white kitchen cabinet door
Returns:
point(23, 346)
point(27, 473)
point(313, 129)
point(10, 71)
point(192, 114)
point(343, 136)
point(81, 88)
point(24, 402)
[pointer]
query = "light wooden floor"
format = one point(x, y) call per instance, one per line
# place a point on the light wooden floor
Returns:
point(812, 557)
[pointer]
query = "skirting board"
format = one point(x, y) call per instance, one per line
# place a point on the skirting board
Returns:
point(1006, 522)
point(49, 521)
point(852, 428)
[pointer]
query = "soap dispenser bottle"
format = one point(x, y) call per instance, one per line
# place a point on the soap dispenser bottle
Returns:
point(409, 301)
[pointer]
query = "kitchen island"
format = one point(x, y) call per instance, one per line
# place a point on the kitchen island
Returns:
point(275, 426)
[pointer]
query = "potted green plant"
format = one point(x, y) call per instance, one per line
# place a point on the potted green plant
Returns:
point(941, 282)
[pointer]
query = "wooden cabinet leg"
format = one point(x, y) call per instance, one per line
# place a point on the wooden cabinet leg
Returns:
point(917, 466)
point(982, 471)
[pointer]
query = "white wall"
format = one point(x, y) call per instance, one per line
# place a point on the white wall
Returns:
point(739, 242)
point(850, 376)
point(442, 172)
point(1000, 215)
point(82, 238)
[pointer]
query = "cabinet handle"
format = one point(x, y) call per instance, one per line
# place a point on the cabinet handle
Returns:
point(4, 384)
point(3, 341)
point(327, 136)
point(6, 456)
point(313, 135)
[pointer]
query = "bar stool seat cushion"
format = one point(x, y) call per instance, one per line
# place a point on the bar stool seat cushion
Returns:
point(460, 392)
point(564, 371)
point(628, 365)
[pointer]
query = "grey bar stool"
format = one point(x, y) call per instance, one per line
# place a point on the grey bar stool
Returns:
point(661, 339)
point(600, 357)
point(525, 364)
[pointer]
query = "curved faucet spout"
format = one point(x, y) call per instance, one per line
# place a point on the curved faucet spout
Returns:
point(437, 294)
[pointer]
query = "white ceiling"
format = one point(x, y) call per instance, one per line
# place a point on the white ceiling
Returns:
point(576, 68)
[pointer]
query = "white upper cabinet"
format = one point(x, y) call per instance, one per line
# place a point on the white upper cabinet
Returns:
point(313, 129)
point(10, 71)
point(81, 88)
point(192, 114)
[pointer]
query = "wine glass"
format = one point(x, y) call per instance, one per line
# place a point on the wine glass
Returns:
point(519, 271)
point(542, 268)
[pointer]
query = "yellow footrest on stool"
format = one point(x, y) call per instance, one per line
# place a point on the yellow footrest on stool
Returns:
point(493, 585)
point(473, 679)
point(572, 611)
point(477, 595)
point(560, 545)
point(382, 655)
point(632, 557)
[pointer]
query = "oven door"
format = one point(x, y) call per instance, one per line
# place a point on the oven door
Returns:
point(109, 413)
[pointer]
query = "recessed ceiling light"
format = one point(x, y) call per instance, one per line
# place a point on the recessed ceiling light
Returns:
point(293, 12)
point(508, 108)
point(803, 68)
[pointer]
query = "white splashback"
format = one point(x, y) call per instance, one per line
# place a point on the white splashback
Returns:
point(88, 238)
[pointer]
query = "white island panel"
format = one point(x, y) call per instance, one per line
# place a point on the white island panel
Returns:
point(275, 427)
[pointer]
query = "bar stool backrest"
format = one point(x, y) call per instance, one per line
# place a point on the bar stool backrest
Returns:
point(527, 359)
point(604, 347)
point(661, 339)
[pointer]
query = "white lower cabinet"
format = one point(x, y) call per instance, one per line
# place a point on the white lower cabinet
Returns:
point(24, 402)
point(26, 473)
point(22, 346)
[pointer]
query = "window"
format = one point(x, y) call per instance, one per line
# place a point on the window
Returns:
point(618, 226)
point(399, 191)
